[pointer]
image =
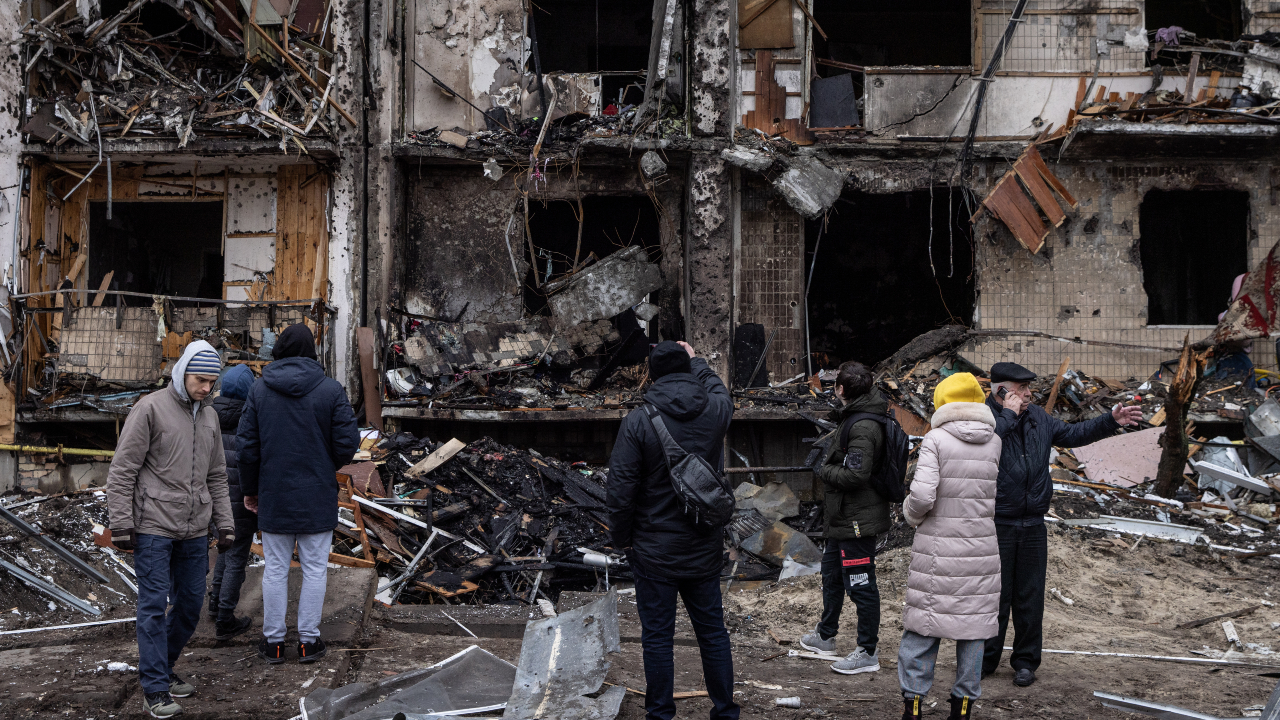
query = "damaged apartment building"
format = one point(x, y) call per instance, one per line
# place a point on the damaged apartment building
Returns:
point(489, 209)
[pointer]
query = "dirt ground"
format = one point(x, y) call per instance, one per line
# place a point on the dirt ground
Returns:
point(1126, 601)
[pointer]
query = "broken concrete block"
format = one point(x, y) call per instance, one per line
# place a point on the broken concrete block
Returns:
point(778, 542)
point(747, 159)
point(774, 501)
point(652, 165)
point(809, 186)
point(455, 139)
point(604, 289)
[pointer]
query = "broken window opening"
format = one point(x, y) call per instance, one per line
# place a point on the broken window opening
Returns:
point(1208, 19)
point(609, 225)
point(1181, 229)
point(927, 32)
point(159, 248)
point(161, 22)
point(873, 288)
point(584, 36)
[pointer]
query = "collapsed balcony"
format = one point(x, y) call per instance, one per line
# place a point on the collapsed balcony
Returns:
point(181, 69)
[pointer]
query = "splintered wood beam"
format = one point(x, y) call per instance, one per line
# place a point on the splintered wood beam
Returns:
point(294, 64)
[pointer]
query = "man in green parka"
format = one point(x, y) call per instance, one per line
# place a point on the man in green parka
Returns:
point(855, 513)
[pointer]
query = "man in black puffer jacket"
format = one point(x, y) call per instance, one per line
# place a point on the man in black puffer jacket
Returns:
point(1023, 492)
point(668, 553)
point(228, 574)
point(296, 431)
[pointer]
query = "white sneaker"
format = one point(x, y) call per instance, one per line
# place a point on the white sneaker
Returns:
point(814, 643)
point(858, 661)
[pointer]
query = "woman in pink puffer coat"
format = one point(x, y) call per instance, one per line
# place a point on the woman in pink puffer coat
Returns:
point(953, 587)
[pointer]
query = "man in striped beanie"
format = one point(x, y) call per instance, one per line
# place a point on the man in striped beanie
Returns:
point(168, 479)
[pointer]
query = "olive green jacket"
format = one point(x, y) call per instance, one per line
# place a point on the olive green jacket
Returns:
point(852, 508)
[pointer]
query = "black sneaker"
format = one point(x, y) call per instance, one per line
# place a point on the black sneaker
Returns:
point(309, 652)
point(160, 705)
point(228, 630)
point(272, 652)
point(1024, 677)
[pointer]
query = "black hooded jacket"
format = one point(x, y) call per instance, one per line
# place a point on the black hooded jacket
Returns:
point(1023, 486)
point(296, 431)
point(229, 410)
point(644, 511)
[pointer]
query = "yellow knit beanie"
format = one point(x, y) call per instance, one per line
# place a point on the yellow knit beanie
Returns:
point(961, 387)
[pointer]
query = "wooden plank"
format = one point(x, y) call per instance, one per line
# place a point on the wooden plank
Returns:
point(369, 377)
point(8, 413)
point(1057, 383)
point(102, 288)
point(1005, 202)
point(770, 27)
point(364, 536)
point(1081, 88)
point(1101, 94)
point(77, 266)
point(1041, 192)
point(437, 458)
point(1214, 77)
point(348, 561)
point(1191, 76)
point(1050, 178)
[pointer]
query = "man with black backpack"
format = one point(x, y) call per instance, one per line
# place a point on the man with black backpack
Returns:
point(862, 473)
point(667, 509)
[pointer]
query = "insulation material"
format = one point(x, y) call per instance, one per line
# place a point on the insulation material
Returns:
point(1254, 312)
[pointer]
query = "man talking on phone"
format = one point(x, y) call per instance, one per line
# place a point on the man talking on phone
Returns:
point(1023, 492)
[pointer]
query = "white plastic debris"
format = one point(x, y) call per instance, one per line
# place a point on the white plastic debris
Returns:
point(1229, 628)
point(1063, 598)
point(120, 667)
point(548, 610)
point(791, 702)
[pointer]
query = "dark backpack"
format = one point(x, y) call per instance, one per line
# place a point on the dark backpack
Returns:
point(704, 495)
point(890, 476)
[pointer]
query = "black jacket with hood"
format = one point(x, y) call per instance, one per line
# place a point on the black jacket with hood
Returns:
point(644, 512)
point(1023, 487)
point(229, 411)
point(297, 429)
point(852, 507)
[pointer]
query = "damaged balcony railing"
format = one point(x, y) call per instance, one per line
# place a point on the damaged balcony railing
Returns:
point(86, 354)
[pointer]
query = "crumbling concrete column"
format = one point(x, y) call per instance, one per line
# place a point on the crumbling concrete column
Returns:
point(709, 260)
point(711, 73)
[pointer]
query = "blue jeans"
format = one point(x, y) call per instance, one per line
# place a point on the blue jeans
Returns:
point(168, 570)
point(228, 573)
point(656, 603)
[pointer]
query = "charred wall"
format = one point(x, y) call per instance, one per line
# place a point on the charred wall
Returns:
point(1088, 283)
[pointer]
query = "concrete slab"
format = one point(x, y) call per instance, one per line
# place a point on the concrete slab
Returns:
point(347, 600)
point(64, 676)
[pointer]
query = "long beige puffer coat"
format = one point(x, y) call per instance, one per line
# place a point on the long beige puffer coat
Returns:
point(953, 586)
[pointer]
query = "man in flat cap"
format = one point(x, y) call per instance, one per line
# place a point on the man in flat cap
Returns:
point(1023, 492)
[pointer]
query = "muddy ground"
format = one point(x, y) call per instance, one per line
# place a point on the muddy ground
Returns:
point(1127, 600)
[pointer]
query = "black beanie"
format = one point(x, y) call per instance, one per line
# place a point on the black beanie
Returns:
point(666, 358)
point(295, 341)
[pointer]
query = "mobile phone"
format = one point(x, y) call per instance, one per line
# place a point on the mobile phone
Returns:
point(1002, 392)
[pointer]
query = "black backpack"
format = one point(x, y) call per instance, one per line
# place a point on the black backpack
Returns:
point(890, 476)
point(705, 496)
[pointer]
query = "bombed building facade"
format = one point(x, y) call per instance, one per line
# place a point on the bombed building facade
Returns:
point(488, 209)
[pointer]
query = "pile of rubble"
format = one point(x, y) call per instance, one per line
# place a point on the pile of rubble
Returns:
point(218, 74)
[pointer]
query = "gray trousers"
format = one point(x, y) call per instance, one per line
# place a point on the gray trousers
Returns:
point(313, 555)
point(918, 657)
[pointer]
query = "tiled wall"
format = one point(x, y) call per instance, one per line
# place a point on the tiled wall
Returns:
point(1087, 281)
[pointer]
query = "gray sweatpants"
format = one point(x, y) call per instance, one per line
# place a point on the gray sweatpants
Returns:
point(918, 656)
point(313, 555)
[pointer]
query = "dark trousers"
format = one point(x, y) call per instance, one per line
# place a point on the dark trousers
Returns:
point(849, 566)
point(228, 573)
point(169, 571)
point(656, 603)
point(1024, 559)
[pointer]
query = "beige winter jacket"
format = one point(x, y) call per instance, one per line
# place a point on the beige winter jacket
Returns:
point(169, 474)
point(953, 586)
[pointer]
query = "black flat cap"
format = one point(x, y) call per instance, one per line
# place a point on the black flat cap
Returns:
point(1010, 372)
